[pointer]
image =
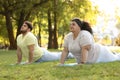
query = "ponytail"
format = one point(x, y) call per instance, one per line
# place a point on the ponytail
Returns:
point(86, 26)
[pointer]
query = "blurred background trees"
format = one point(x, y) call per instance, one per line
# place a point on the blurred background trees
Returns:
point(50, 19)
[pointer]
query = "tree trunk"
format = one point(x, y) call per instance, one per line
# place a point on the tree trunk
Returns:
point(52, 41)
point(20, 22)
point(55, 25)
point(21, 19)
point(49, 30)
point(39, 35)
point(10, 31)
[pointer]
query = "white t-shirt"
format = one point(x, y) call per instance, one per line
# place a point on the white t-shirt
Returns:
point(83, 38)
point(29, 39)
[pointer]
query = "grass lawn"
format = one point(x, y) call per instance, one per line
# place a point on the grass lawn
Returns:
point(49, 70)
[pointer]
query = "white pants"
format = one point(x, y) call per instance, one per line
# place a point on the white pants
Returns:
point(51, 56)
point(107, 56)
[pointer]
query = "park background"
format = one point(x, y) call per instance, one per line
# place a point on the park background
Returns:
point(51, 19)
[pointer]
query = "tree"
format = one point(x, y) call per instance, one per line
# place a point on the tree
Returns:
point(75, 8)
point(19, 10)
point(3, 34)
point(52, 28)
point(25, 12)
point(50, 39)
point(59, 14)
point(6, 11)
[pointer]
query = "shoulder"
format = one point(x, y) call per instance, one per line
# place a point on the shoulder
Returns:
point(30, 35)
point(69, 35)
point(19, 36)
point(84, 32)
point(30, 38)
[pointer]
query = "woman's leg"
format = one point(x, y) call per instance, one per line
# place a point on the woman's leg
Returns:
point(107, 56)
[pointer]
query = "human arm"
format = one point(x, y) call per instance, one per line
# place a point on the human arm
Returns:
point(84, 53)
point(19, 55)
point(86, 41)
point(31, 50)
point(63, 55)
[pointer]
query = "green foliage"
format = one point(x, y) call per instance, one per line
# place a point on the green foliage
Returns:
point(3, 32)
point(50, 70)
point(75, 8)
point(36, 12)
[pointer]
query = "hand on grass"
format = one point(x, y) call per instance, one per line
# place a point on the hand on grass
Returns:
point(28, 63)
point(23, 63)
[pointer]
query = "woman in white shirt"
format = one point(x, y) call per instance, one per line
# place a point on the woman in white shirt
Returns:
point(80, 43)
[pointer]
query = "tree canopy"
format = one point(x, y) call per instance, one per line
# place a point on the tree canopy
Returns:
point(52, 16)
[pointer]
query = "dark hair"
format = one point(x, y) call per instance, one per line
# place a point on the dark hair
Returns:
point(83, 25)
point(29, 24)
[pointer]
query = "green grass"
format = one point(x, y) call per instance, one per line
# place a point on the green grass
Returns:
point(49, 70)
